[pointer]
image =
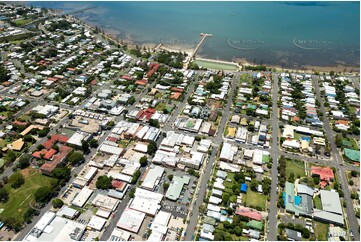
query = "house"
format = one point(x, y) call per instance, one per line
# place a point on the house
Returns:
point(325, 173)
point(293, 235)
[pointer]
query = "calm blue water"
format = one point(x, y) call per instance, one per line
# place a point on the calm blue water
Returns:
point(289, 34)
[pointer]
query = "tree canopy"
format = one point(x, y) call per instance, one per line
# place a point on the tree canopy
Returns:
point(104, 182)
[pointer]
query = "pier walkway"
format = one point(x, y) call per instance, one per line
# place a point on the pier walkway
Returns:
point(191, 57)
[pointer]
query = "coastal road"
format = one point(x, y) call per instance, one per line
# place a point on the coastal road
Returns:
point(273, 210)
point(338, 162)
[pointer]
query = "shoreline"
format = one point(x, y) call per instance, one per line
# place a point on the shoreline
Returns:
point(236, 61)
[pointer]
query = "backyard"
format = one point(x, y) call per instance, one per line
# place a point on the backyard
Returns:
point(254, 200)
point(19, 199)
point(296, 167)
point(321, 231)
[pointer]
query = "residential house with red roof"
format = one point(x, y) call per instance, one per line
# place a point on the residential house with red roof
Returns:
point(325, 173)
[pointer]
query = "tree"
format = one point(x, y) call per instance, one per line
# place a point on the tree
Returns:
point(336, 186)
point(93, 143)
point(170, 177)
point(57, 203)
point(29, 214)
point(291, 178)
point(165, 185)
point(316, 180)
point(4, 195)
point(84, 146)
point(62, 173)
point(104, 182)
point(350, 182)
point(76, 158)
point(225, 197)
point(238, 177)
point(131, 100)
point(254, 185)
point(354, 173)
point(154, 123)
point(266, 187)
point(238, 230)
point(135, 177)
point(305, 233)
point(10, 156)
point(16, 180)
point(143, 161)
point(132, 192)
point(43, 132)
point(43, 194)
point(24, 161)
point(152, 148)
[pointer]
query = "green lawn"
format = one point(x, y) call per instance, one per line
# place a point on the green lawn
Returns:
point(296, 136)
point(215, 65)
point(246, 78)
point(20, 198)
point(254, 199)
point(67, 132)
point(160, 106)
point(6, 114)
point(22, 21)
point(3, 142)
point(321, 231)
point(24, 118)
point(317, 202)
point(297, 167)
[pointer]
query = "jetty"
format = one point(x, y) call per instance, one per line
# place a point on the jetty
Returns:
point(192, 56)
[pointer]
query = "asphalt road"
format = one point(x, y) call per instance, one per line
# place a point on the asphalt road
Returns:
point(272, 216)
point(190, 231)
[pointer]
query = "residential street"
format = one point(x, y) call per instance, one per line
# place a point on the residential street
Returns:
point(339, 164)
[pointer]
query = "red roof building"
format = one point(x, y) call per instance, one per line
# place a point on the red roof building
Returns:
point(245, 212)
point(142, 82)
point(145, 115)
point(325, 173)
point(175, 95)
point(118, 185)
point(19, 123)
point(46, 154)
point(150, 73)
point(177, 89)
point(48, 167)
point(55, 138)
point(126, 77)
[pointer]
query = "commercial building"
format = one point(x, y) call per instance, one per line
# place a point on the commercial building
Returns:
point(131, 220)
point(152, 178)
point(146, 201)
point(176, 187)
point(82, 197)
point(53, 228)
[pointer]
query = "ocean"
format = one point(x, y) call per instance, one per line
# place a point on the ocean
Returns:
point(288, 34)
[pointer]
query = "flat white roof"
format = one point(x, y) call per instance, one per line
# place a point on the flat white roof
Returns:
point(96, 223)
point(119, 235)
point(153, 177)
point(105, 202)
point(146, 201)
point(331, 201)
point(82, 197)
point(110, 149)
point(131, 220)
